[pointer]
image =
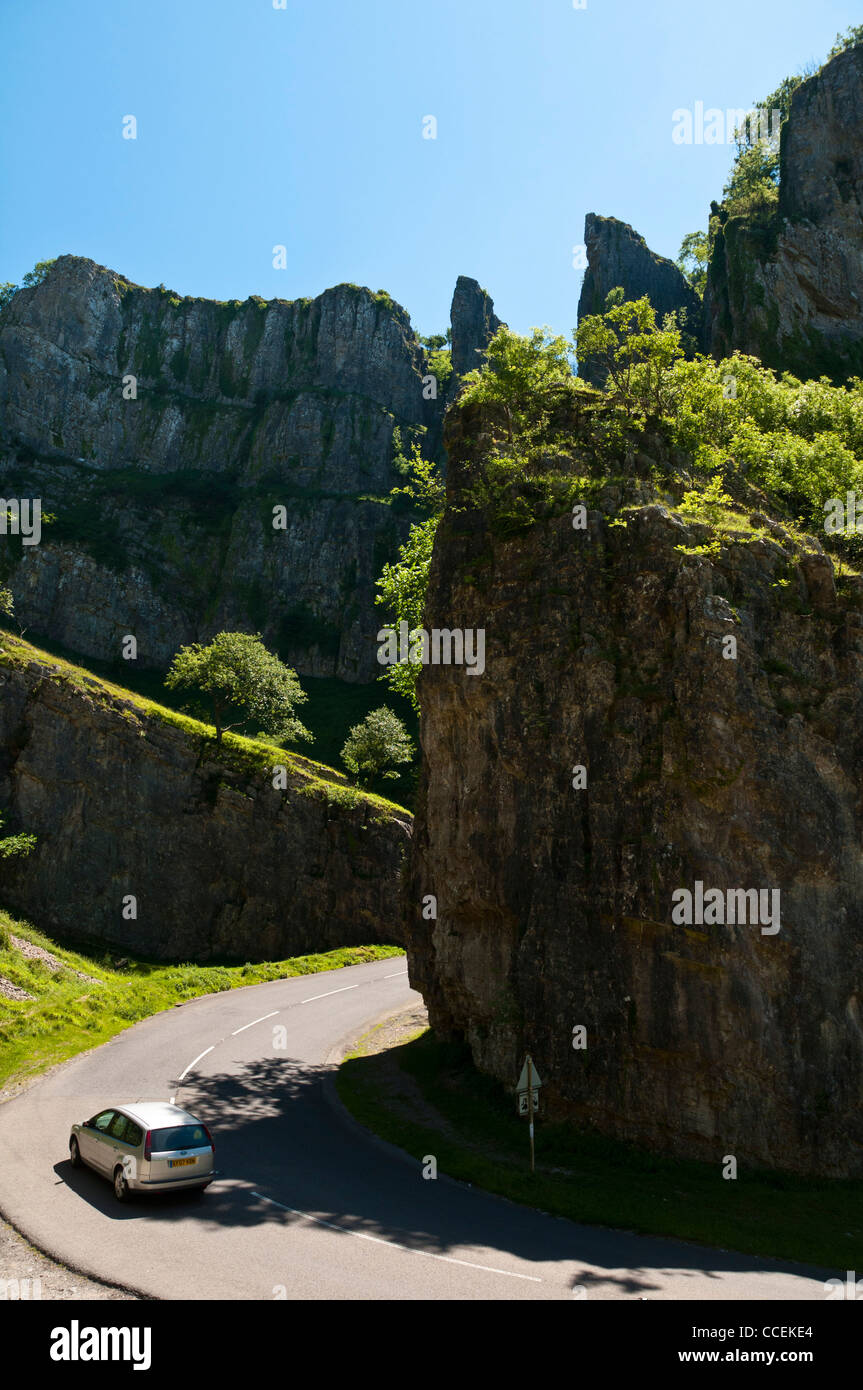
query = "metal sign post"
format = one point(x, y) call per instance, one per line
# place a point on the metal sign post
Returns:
point(528, 1099)
point(530, 1108)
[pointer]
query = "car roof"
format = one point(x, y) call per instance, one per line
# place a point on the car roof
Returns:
point(156, 1114)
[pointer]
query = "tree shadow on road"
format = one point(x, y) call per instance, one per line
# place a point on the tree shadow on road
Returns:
point(278, 1137)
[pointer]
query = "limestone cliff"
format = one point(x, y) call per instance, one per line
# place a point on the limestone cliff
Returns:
point(474, 322)
point(787, 286)
point(604, 649)
point(164, 502)
point(617, 255)
point(127, 799)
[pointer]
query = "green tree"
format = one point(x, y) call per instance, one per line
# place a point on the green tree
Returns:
point(403, 586)
point(33, 277)
point(849, 39)
point(693, 257)
point(37, 274)
point(440, 365)
point(376, 746)
point(753, 184)
point(16, 846)
point(747, 436)
point(523, 376)
point(403, 583)
point(7, 605)
point(237, 675)
point(635, 354)
point(425, 485)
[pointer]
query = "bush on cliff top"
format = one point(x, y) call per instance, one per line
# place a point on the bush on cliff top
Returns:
point(738, 423)
point(800, 442)
point(33, 277)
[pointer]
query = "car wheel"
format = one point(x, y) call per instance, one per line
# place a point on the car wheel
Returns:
point(74, 1153)
point(121, 1187)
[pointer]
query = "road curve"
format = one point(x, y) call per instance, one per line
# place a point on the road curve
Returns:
point(306, 1206)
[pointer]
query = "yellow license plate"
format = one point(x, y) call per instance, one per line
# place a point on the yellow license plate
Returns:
point(179, 1162)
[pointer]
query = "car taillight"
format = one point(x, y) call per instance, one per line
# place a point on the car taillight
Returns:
point(210, 1137)
point(148, 1144)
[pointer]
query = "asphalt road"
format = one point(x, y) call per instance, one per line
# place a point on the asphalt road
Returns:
point(307, 1206)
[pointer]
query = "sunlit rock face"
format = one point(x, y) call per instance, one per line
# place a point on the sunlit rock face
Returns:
point(788, 288)
point(161, 432)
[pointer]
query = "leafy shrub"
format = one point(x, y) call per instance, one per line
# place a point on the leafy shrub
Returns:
point(748, 434)
point(377, 745)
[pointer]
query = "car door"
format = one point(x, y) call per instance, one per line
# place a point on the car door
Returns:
point(94, 1141)
point(134, 1149)
point(115, 1149)
point(125, 1137)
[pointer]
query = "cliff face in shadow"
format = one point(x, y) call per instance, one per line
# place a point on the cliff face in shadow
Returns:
point(129, 800)
point(555, 902)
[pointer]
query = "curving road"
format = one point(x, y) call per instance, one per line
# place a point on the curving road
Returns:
point(307, 1205)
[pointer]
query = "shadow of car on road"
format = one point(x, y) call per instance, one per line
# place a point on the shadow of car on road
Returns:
point(96, 1190)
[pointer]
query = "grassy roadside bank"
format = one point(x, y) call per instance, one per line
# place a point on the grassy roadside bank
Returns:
point(79, 1000)
point(426, 1098)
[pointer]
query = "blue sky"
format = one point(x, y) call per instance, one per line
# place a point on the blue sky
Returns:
point(303, 127)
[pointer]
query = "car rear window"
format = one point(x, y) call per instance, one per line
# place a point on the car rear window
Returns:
point(179, 1137)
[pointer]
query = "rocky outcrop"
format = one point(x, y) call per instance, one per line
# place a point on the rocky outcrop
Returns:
point(787, 286)
point(161, 432)
point(474, 323)
point(618, 256)
point(129, 800)
point(605, 649)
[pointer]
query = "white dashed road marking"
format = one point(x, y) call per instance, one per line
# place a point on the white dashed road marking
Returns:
point(196, 1061)
point(344, 990)
point(310, 1000)
point(253, 1022)
point(394, 1245)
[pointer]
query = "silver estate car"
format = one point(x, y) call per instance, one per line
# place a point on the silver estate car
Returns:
point(150, 1146)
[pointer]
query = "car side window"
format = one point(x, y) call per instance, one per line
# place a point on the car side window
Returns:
point(101, 1121)
point(117, 1127)
point(134, 1134)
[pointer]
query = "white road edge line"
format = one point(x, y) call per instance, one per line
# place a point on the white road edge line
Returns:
point(393, 977)
point(253, 1022)
point(328, 993)
point(197, 1059)
point(394, 1245)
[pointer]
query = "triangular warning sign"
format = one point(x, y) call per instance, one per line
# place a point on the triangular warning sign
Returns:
point(535, 1079)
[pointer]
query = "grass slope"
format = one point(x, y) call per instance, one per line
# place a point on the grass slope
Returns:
point(249, 754)
point(69, 1014)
